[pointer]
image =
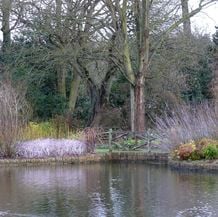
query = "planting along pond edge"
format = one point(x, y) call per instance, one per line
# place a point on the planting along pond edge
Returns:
point(198, 165)
point(119, 156)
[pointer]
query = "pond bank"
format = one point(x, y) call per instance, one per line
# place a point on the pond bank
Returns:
point(161, 158)
point(122, 156)
point(201, 165)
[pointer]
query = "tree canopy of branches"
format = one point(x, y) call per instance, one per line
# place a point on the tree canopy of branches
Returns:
point(72, 55)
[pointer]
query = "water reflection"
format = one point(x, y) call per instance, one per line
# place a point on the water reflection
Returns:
point(126, 190)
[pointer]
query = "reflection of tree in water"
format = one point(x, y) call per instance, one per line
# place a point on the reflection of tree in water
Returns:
point(120, 190)
point(51, 189)
point(6, 180)
point(70, 190)
point(132, 189)
point(206, 182)
point(97, 190)
point(199, 188)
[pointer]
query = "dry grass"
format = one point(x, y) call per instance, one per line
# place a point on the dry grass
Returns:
point(46, 139)
point(187, 123)
point(48, 129)
point(41, 141)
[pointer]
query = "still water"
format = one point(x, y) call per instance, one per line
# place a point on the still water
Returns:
point(114, 190)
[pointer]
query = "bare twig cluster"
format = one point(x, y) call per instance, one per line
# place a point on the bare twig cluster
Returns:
point(13, 115)
point(90, 136)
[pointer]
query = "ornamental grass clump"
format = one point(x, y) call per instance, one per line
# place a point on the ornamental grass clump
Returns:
point(187, 123)
point(43, 148)
point(50, 147)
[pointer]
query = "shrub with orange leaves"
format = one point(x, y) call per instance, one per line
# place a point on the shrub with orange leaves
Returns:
point(185, 151)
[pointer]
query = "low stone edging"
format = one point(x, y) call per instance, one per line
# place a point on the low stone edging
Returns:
point(203, 166)
point(93, 158)
point(161, 158)
point(122, 156)
point(56, 160)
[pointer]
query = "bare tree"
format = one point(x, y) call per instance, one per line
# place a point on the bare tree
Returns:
point(186, 21)
point(69, 29)
point(136, 72)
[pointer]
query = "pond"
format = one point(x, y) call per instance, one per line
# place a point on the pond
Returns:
point(106, 190)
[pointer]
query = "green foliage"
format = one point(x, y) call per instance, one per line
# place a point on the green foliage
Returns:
point(199, 76)
point(210, 152)
point(82, 110)
point(47, 106)
point(44, 97)
point(195, 155)
point(119, 92)
point(127, 144)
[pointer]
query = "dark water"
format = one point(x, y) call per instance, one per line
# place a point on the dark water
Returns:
point(126, 190)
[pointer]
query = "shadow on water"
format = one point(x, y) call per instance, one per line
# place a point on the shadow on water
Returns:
point(119, 190)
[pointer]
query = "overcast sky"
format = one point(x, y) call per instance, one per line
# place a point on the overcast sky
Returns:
point(206, 20)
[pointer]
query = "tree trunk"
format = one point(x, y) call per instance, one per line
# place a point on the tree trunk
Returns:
point(143, 59)
point(186, 21)
point(95, 103)
point(132, 108)
point(6, 10)
point(139, 104)
point(99, 100)
point(61, 79)
point(74, 88)
point(61, 66)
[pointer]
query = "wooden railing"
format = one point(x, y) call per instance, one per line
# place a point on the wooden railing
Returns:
point(113, 137)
